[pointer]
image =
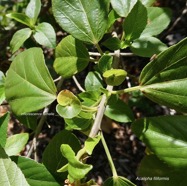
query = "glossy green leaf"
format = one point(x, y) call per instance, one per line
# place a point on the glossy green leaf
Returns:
point(164, 81)
point(3, 129)
point(114, 77)
point(80, 122)
point(52, 156)
point(45, 35)
point(76, 169)
point(93, 81)
point(135, 22)
point(11, 175)
point(161, 174)
point(2, 88)
point(112, 43)
point(147, 46)
point(69, 105)
point(84, 20)
point(90, 144)
point(112, 17)
point(166, 136)
point(118, 181)
point(19, 38)
point(105, 63)
point(22, 18)
point(35, 173)
point(158, 20)
point(16, 143)
point(71, 57)
point(33, 9)
point(29, 86)
point(123, 7)
point(119, 111)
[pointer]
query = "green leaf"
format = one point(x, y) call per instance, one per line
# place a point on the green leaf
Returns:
point(148, 2)
point(3, 129)
point(53, 150)
point(135, 22)
point(84, 20)
point(117, 110)
point(2, 88)
point(118, 181)
point(105, 62)
point(147, 46)
point(158, 20)
point(79, 122)
point(29, 86)
point(90, 144)
point(33, 9)
point(112, 43)
point(71, 57)
point(22, 18)
point(16, 143)
point(160, 173)
point(45, 35)
point(11, 175)
point(76, 169)
point(112, 17)
point(166, 136)
point(93, 81)
point(164, 81)
point(35, 173)
point(29, 121)
point(69, 105)
point(19, 38)
point(114, 77)
point(123, 7)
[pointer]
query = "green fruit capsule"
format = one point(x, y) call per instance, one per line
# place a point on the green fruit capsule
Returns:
point(114, 77)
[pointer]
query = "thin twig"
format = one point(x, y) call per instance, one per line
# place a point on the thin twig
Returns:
point(112, 54)
point(78, 84)
point(57, 79)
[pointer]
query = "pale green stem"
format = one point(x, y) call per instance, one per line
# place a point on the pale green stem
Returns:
point(99, 49)
point(131, 89)
point(113, 169)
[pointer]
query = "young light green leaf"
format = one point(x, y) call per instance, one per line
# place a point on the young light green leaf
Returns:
point(3, 129)
point(10, 172)
point(165, 136)
point(76, 169)
point(84, 20)
point(2, 87)
point(164, 79)
point(114, 77)
point(53, 150)
point(33, 9)
point(118, 181)
point(90, 144)
point(112, 43)
point(35, 173)
point(117, 110)
point(69, 105)
point(19, 38)
point(105, 63)
point(135, 22)
point(123, 7)
point(93, 81)
point(45, 35)
point(71, 57)
point(16, 143)
point(147, 46)
point(158, 20)
point(29, 86)
point(22, 18)
point(148, 2)
point(79, 122)
point(160, 172)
